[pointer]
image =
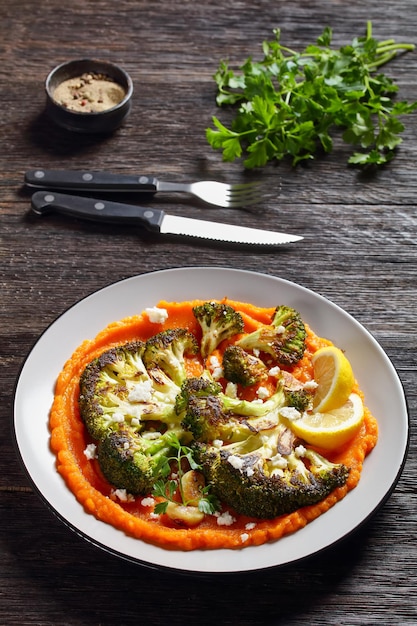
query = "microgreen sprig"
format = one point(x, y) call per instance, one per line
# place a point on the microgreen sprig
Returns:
point(167, 488)
point(289, 103)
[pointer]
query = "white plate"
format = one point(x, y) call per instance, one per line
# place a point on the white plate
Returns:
point(383, 394)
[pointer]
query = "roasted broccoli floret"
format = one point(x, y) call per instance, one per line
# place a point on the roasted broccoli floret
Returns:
point(218, 322)
point(268, 474)
point(243, 368)
point(199, 387)
point(166, 351)
point(300, 399)
point(209, 414)
point(115, 388)
point(284, 338)
point(134, 461)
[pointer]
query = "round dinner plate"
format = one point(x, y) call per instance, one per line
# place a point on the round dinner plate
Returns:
point(377, 377)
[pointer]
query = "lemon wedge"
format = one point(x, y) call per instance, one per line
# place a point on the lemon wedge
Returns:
point(331, 429)
point(334, 377)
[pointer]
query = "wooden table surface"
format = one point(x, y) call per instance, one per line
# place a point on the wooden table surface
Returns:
point(359, 251)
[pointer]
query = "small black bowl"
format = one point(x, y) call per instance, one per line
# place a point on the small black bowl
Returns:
point(96, 122)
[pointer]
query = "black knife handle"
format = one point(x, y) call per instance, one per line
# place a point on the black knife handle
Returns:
point(89, 181)
point(97, 210)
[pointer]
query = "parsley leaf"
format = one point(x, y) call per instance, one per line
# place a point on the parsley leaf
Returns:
point(170, 489)
point(289, 103)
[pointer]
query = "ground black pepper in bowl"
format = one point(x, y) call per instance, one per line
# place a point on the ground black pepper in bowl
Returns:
point(88, 95)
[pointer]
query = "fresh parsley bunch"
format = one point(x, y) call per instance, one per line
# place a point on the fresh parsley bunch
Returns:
point(289, 103)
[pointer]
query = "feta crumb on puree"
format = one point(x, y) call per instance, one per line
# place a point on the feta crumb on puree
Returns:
point(225, 519)
point(275, 371)
point(156, 315)
point(147, 501)
point(122, 495)
point(231, 390)
point(262, 392)
point(91, 451)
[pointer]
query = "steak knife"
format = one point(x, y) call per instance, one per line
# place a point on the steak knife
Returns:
point(154, 220)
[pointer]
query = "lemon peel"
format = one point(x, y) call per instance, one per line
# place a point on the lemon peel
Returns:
point(334, 377)
point(332, 429)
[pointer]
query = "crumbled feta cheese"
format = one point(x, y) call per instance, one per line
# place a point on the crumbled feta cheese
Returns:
point(280, 329)
point(231, 390)
point(256, 352)
point(279, 462)
point(90, 451)
point(275, 371)
point(156, 315)
point(126, 445)
point(150, 435)
point(290, 413)
point(262, 392)
point(225, 519)
point(147, 502)
point(310, 385)
point(215, 368)
point(249, 472)
point(244, 537)
point(217, 373)
point(214, 362)
point(250, 525)
point(300, 451)
point(118, 417)
point(235, 461)
point(134, 421)
point(257, 401)
point(141, 392)
point(122, 495)
point(217, 443)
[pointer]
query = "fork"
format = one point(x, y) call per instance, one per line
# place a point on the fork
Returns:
point(210, 191)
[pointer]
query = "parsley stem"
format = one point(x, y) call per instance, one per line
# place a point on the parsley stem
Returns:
point(394, 47)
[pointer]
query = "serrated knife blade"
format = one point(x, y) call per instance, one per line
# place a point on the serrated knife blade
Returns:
point(154, 220)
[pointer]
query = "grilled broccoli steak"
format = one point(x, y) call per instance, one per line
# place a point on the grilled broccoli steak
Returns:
point(104, 386)
point(242, 481)
point(135, 382)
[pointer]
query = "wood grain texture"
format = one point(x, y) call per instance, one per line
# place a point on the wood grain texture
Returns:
point(359, 251)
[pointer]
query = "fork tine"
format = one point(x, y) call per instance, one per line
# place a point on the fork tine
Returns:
point(244, 186)
point(243, 194)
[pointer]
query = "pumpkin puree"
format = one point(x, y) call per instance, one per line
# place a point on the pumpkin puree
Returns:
point(69, 439)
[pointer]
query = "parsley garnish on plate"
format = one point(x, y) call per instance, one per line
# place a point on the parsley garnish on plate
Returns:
point(290, 103)
point(169, 488)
